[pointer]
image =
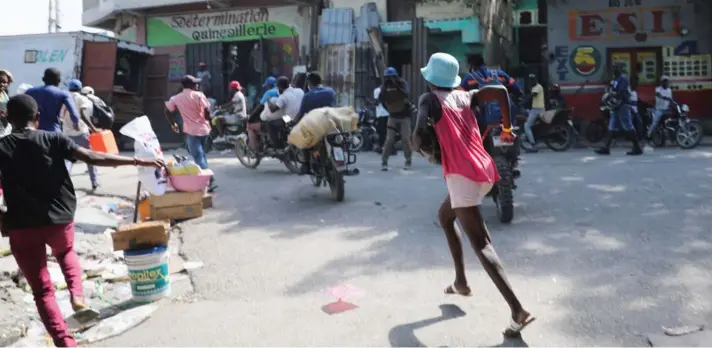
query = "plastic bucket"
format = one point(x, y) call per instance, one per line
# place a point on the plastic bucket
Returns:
point(149, 274)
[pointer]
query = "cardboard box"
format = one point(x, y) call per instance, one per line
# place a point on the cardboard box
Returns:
point(176, 205)
point(207, 201)
point(153, 233)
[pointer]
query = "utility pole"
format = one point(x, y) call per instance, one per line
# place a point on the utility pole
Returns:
point(53, 15)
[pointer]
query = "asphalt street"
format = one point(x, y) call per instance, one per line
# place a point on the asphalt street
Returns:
point(602, 250)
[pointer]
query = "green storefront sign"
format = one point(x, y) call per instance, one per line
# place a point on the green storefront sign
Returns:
point(239, 25)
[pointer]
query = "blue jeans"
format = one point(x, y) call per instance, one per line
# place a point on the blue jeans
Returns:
point(621, 117)
point(83, 141)
point(196, 147)
point(657, 116)
point(531, 119)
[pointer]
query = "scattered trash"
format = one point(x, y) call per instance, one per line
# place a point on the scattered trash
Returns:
point(684, 336)
point(338, 307)
point(117, 324)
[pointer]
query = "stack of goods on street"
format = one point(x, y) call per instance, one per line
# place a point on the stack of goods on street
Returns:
point(317, 123)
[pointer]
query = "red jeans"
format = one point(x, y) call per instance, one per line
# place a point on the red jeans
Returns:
point(28, 247)
point(253, 135)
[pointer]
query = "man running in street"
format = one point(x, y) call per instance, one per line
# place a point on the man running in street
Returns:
point(393, 95)
point(81, 137)
point(41, 203)
point(469, 174)
point(50, 100)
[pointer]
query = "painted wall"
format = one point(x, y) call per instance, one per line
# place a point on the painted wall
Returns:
point(579, 36)
point(433, 9)
point(496, 19)
point(233, 25)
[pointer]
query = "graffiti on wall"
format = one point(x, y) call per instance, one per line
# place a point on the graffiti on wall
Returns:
point(176, 66)
point(585, 60)
point(561, 59)
point(639, 23)
point(282, 55)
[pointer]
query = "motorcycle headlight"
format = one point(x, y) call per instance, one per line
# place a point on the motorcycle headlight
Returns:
point(685, 108)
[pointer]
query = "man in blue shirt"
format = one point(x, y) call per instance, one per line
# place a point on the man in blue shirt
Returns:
point(480, 76)
point(620, 112)
point(50, 100)
point(319, 96)
point(271, 91)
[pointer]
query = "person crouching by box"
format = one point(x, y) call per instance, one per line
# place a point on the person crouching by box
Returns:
point(41, 202)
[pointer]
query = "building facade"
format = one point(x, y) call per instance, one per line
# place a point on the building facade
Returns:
point(650, 38)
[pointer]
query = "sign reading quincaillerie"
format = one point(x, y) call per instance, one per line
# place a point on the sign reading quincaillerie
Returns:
point(237, 25)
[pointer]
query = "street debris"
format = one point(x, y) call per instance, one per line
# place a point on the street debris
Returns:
point(683, 336)
point(342, 292)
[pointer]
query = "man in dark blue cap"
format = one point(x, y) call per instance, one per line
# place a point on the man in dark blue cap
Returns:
point(394, 98)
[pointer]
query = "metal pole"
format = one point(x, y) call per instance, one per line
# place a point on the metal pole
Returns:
point(57, 15)
point(49, 17)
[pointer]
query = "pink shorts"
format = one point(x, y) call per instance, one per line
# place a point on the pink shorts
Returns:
point(465, 192)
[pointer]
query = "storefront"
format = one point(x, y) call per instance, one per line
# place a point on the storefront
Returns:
point(238, 44)
point(650, 38)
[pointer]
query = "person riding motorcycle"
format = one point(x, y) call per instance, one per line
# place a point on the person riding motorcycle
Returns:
point(319, 96)
point(556, 99)
point(254, 122)
point(236, 109)
point(288, 103)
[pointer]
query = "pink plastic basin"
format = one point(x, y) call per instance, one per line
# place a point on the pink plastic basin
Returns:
point(190, 183)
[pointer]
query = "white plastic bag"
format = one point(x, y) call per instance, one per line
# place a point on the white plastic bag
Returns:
point(146, 145)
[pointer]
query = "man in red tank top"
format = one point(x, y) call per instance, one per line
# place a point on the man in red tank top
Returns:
point(469, 173)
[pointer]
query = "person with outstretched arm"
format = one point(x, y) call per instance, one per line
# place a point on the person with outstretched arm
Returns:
point(41, 203)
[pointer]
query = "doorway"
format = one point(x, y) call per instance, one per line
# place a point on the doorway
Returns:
point(643, 64)
point(242, 62)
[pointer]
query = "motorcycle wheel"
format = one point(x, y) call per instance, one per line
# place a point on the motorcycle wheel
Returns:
point(658, 137)
point(560, 138)
point(504, 197)
point(360, 139)
point(244, 154)
point(689, 135)
point(337, 186)
point(595, 132)
point(290, 159)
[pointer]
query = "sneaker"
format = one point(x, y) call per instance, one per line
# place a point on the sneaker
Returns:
point(213, 186)
point(408, 166)
point(634, 152)
point(94, 187)
point(384, 167)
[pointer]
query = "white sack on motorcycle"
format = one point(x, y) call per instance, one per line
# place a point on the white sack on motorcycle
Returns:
point(318, 123)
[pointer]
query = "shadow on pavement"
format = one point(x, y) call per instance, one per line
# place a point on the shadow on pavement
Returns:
point(404, 335)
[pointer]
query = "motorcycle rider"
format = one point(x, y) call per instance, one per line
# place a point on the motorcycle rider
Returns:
point(289, 101)
point(254, 123)
point(319, 96)
point(619, 98)
point(470, 173)
point(556, 100)
point(479, 76)
point(393, 95)
point(538, 107)
point(236, 110)
point(663, 97)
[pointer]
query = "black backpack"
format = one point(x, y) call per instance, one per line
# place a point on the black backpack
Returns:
point(103, 116)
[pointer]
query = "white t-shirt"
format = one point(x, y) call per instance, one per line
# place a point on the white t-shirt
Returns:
point(290, 101)
point(83, 104)
point(661, 104)
point(380, 110)
point(634, 101)
point(240, 104)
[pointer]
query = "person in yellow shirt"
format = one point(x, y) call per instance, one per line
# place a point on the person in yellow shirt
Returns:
point(537, 97)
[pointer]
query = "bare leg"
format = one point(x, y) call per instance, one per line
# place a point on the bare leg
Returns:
point(447, 221)
point(476, 231)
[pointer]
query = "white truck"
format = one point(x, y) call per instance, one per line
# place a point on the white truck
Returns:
point(115, 69)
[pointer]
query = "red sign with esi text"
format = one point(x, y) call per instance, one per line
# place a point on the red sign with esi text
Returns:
point(640, 23)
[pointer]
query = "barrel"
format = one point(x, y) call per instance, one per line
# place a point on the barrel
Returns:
point(149, 273)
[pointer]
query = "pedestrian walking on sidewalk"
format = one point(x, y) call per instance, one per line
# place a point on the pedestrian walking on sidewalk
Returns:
point(469, 174)
point(41, 203)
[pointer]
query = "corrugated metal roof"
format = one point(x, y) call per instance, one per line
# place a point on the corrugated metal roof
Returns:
point(336, 26)
point(368, 18)
point(336, 63)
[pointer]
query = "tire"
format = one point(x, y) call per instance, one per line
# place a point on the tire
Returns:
point(361, 142)
point(504, 198)
point(561, 138)
point(290, 160)
point(208, 144)
point(658, 138)
point(595, 132)
point(689, 135)
point(243, 151)
point(337, 186)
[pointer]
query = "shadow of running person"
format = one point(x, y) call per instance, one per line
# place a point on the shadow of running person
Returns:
point(404, 335)
point(512, 342)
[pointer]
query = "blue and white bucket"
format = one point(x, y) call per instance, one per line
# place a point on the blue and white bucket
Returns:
point(149, 274)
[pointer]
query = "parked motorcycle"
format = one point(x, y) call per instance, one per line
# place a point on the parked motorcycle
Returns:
point(686, 132)
point(329, 163)
point(366, 135)
point(553, 127)
point(251, 159)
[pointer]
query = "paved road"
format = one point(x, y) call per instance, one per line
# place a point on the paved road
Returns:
point(602, 250)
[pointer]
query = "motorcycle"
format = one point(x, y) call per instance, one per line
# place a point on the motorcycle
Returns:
point(232, 131)
point(686, 132)
point(366, 135)
point(329, 163)
point(505, 155)
point(251, 159)
point(554, 127)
